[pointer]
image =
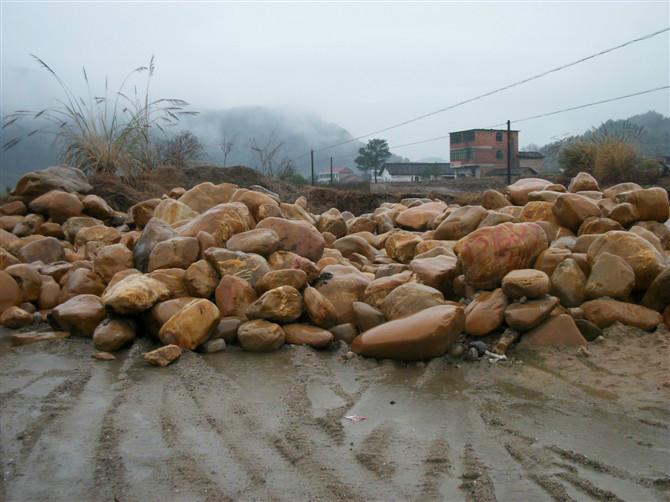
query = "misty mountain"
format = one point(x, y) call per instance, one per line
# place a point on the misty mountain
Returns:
point(295, 132)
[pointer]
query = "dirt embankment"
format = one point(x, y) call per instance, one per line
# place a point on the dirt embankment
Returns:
point(122, 194)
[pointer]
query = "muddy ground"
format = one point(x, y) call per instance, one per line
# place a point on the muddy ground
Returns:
point(549, 425)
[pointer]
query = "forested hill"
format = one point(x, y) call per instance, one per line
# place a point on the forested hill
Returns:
point(648, 132)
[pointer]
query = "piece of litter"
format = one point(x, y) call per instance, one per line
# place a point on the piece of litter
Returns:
point(495, 357)
point(356, 418)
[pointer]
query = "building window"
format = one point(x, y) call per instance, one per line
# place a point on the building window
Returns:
point(468, 136)
point(456, 137)
point(463, 154)
point(498, 136)
point(499, 154)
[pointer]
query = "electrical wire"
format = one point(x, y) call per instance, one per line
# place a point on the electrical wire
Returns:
point(490, 93)
point(547, 114)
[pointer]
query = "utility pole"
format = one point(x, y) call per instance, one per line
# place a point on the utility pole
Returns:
point(331, 170)
point(311, 154)
point(509, 153)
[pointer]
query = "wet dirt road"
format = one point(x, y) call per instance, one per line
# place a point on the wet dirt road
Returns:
point(240, 426)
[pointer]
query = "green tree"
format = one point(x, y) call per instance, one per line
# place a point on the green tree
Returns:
point(372, 156)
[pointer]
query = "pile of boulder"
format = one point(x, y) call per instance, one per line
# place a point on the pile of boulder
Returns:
point(197, 269)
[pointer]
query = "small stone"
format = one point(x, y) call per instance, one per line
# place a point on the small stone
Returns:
point(350, 355)
point(480, 346)
point(583, 351)
point(19, 339)
point(457, 350)
point(163, 355)
point(103, 356)
point(213, 346)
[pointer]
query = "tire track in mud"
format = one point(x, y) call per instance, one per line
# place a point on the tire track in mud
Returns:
point(297, 438)
point(237, 417)
point(436, 464)
point(373, 451)
point(476, 482)
point(110, 471)
point(186, 473)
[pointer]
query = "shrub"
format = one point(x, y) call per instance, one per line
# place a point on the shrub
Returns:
point(180, 150)
point(104, 134)
point(615, 161)
point(578, 156)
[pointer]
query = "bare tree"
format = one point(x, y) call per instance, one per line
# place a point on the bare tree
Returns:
point(285, 169)
point(267, 153)
point(227, 145)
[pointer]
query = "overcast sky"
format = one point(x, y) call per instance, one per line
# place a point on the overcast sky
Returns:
point(361, 65)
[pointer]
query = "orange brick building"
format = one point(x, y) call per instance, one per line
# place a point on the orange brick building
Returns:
point(482, 152)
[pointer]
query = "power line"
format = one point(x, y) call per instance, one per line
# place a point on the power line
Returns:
point(490, 93)
point(547, 114)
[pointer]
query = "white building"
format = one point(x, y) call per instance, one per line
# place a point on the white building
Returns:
point(414, 171)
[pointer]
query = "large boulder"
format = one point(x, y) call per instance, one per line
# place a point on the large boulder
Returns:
point(568, 283)
point(605, 312)
point(519, 190)
point(282, 304)
point(400, 245)
point(305, 334)
point(493, 199)
point(15, 317)
point(298, 237)
point(233, 296)
point(650, 203)
point(332, 221)
point(528, 282)
point(559, 330)
point(485, 313)
point(583, 182)
point(47, 250)
point(641, 255)
point(378, 289)
point(28, 279)
point(282, 277)
point(57, 205)
point(488, 254)
point(350, 244)
point(262, 241)
point(260, 336)
point(191, 326)
point(320, 309)
point(10, 292)
point(418, 217)
point(527, 315)
point(571, 210)
point(342, 285)
point(176, 252)
point(206, 195)
point(171, 211)
point(201, 279)
point(437, 272)
point(67, 179)
point(80, 281)
point(657, 296)
point(135, 294)
point(160, 313)
point(409, 299)
point(249, 266)
point(154, 231)
point(112, 259)
point(423, 335)
point(79, 315)
point(113, 334)
point(460, 223)
point(97, 207)
point(610, 276)
point(221, 222)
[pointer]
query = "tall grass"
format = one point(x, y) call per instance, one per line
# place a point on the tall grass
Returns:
point(111, 133)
